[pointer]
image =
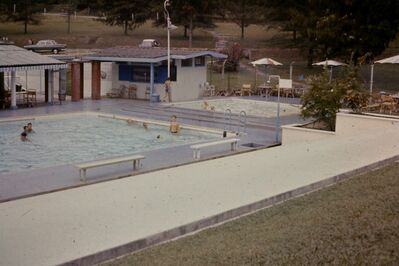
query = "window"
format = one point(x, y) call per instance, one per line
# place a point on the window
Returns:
point(141, 73)
point(162, 73)
point(200, 61)
point(125, 72)
point(187, 62)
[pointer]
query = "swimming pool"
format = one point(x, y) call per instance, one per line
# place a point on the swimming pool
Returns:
point(251, 107)
point(60, 140)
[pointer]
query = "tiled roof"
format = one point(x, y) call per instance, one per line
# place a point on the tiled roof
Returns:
point(16, 58)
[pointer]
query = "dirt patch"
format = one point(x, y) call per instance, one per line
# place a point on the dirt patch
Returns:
point(352, 223)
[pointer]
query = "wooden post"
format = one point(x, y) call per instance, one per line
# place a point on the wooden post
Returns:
point(76, 83)
point(96, 80)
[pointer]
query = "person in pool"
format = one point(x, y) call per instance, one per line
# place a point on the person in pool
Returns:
point(24, 136)
point(145, 125)
point(30, 128)
point(174, 127)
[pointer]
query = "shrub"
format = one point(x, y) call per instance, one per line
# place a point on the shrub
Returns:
point(324, 99)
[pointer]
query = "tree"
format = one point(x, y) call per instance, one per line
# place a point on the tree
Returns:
point(339, 28)
point(242, 12)
point(25, 11)
point(127, 13)
point(369, 26)
point(190, 14)
point(234, 54)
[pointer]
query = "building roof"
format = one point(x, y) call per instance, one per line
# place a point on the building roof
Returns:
point(14, 58)
point(149, 55)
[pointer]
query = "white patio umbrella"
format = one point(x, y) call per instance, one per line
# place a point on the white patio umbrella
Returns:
point(266, 62)
point(389, 60)
point(329, 63)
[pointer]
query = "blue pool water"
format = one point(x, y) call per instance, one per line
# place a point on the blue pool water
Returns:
point(60, 140)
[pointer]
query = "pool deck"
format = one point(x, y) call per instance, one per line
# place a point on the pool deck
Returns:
point(89, 224)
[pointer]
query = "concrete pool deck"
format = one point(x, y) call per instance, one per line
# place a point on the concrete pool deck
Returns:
point(89, 224)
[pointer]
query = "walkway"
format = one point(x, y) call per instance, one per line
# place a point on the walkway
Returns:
point(110, 218)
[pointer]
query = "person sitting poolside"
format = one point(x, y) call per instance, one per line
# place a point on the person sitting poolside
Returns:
point(174, 127)
point(30, 129)
point(130, 122)
point(205, 105)
point(24, 136)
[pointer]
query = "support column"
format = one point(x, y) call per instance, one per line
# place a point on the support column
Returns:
point(46, 85)
point(13, 91)
point(96, 80)
point(62, 82)
point(2, 91)
point(82, 79)
point(50, 90)
point(151, 80)
point(76, 81)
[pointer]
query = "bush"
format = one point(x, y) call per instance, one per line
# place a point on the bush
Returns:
point(324, 99)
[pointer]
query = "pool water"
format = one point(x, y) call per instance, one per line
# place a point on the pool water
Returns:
point(60, 140)
point(251, 107)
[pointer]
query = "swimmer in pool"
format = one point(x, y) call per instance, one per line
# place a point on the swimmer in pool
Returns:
point(29, 128)
point(174, 127)
point(24, 136)
point(145, 125)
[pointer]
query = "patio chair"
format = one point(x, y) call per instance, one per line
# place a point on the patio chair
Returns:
point(209, 90)
point(246, 90)
point(388, 104)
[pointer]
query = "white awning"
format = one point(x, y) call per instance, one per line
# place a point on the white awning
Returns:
point(14, 58)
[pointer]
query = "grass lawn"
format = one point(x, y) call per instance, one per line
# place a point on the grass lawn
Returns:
point(355, 222)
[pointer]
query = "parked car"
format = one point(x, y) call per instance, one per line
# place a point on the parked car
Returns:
point(149, 43)
point(46, 45)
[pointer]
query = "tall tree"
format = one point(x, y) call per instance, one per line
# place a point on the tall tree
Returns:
point(242, 12)
point(343, 28)
point(190, 14)
point(25, 11)
point(127, 13)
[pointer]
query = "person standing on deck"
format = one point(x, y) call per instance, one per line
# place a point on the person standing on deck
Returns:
point(168, 88)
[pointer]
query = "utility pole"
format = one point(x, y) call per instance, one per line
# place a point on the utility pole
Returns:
point(69, 16)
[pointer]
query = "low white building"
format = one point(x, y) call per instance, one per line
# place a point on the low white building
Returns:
point(25, 75)
point(146, 69)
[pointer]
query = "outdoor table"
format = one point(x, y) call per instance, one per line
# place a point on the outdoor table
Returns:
point(264, 89)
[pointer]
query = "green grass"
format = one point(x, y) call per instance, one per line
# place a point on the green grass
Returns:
point(256, 36)
point(352, 223)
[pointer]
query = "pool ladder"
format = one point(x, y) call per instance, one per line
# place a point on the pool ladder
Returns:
point(227, 119)
point(242, 119)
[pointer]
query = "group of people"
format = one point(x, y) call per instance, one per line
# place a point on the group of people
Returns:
point(27, 130)
point(174, 126)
